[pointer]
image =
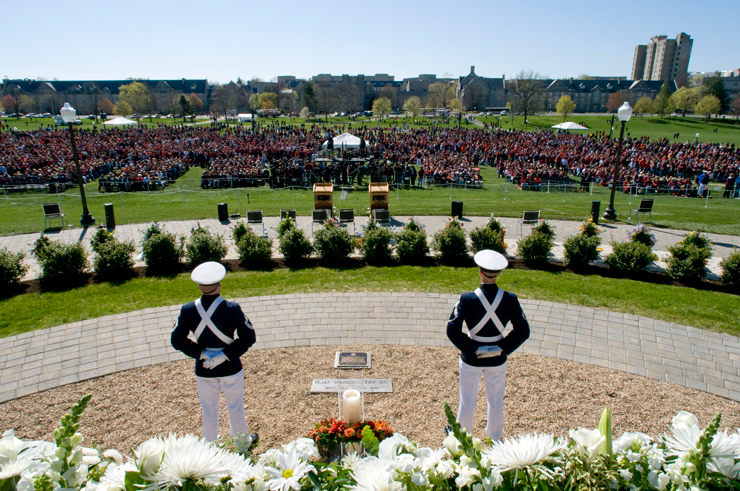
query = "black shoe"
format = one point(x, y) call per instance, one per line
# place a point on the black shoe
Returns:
point(448, 429)
point(255, 439)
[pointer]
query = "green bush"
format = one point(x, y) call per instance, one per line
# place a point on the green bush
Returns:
point(253, 249)
point(114, 258)
point(375, 243)
point(162, 251)
point(731, 270)
point(697, 239)
point(411, 245)
point(687, 262)
point(589, 228)
point(449, 243)
point(294, 245)
point(545, 229)
point(535, 248)
point(12, 269)
point(333, 242)
point(239, 231)
point(60, 261)
point(580, 250)
point(487, 238)
point(153, 229)
point(285, 224)
point(204, 246)
point(100, 237)
point(632, 256)
point(642, 235)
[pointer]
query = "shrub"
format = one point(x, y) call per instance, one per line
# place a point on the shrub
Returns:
point(411, 246)
point(162, 252)
point(294, 245)
point(60, 261)
point(731, 270)
point(589, 228)
point(630, 256)
point(333, 242)
point(254, 249)
point(449, 243)
point(153, 229)
point(696, 238)
point(580, 250)
point(375, 243)
point(545, 229)
point(101, 237)
point(285, 224)
point(487, 238)
point(240, 230)
point(114, 258)
point(642, 235)
point(687, 261)
point(204, 246)
point(535, 248)
point(12, 269)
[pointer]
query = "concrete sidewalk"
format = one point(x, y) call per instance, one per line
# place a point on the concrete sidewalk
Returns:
point(723, 245)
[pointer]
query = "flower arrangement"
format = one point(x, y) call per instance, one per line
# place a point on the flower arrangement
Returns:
point(642, 235)
point(589, 228)
point(329, 433)
point(545, 229)
point(687, 457)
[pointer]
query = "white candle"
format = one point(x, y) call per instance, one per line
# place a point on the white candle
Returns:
point(351, 406)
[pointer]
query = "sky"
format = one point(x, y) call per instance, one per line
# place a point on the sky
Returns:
point(222, 40)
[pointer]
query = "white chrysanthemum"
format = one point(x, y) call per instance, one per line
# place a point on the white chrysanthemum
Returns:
point(587, 441)
point(429, 458)
point(287, 473)
point(374, 474)
point(254, 474)
point(685, 418)
point(187, 458)
point(684, 439)
point(304, 447)
point(115, 474)
point(350, 461)
point(38, 450)
point(388, 448)
point(14, 468)
point(628, 439)
point(726, 467)
point(522, 451)
point(148, 456)
point(9, 447)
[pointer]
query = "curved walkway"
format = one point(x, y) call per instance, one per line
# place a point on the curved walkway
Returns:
point(48, 358)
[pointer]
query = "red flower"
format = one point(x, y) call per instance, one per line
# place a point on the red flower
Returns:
point(349, 432)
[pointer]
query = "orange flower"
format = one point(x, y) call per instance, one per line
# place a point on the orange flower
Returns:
point(349, 432)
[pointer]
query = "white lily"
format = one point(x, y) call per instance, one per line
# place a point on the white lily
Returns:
point(453, 445)
point(587, 441)
point(148, 456)
point(304, 447)
point(10, 446)
point(388, 448)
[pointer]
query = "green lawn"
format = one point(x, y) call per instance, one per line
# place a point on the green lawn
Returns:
point(718, 311)
point(22, 213)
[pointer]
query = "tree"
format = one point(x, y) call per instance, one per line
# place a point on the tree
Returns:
point(565, 105)
point(684, 99)
point(708, 105)
point(735, 106)
point(92, 91)
point(222, 100)
point(528, 94)
point(615, 102)
point(12, 104)
point(26, 103)
point(455, 105)
point(195, 103)
point(391, 93)
point(382, 106)
point(644, 105)
point(186, 109)
point(106, 106)
point(304, 114)
point(440, 95)
point(268, 100)
point(122, 108)
point(715, 86)
point(254, 103)
point(413, 106)
point(308, 96)
point(476, 95)
point(136, 94)
point(660, 104)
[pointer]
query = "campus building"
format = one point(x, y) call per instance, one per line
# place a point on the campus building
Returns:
point(663, 59)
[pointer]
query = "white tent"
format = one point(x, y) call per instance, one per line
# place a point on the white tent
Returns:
point(119, 121)
point(569, 126)
point(347, 141)
point(244, 118)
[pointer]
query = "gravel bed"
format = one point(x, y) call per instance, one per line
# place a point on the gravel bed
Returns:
point(542, 395)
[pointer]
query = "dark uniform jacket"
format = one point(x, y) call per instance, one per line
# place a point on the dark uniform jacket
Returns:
point(470, 310)
point(230, 320)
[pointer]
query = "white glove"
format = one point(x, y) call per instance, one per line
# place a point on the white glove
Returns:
point(215, 361)
point(488, 351)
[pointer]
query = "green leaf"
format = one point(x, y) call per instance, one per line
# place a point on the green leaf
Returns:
point(371, 442)
point(132, 479)
point(605, 427)
point(9, 484)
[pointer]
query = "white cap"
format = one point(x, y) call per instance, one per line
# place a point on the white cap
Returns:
point(208, 273)
point(490, 261)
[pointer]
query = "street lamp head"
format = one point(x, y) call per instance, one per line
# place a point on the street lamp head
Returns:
point(625, 112)
point(68, 113)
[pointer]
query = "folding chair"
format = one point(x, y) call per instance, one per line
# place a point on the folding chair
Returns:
point(52, 211)
point(287, 213)
point(255, 216)
point(348, 216)
point(530, 217)
point(646, 206)
point(319, 216)
point(381, 215)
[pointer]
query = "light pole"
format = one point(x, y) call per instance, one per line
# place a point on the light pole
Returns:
point(624, 113)
point(69, 115)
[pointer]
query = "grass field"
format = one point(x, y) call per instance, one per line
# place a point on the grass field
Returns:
point(717, 311)
point(184, 200)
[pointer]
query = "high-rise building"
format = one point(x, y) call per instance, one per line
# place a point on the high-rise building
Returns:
point(663, 58)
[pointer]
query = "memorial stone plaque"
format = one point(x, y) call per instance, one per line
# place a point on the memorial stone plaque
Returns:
point(321, 385)
point(352, 359)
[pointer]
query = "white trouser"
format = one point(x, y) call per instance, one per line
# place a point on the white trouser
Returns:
point(494, 380)
point(209, 391)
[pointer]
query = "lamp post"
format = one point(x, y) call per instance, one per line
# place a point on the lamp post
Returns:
point(69, 115)
point(624, 113)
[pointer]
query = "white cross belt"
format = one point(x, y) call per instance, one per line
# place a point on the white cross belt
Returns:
point(490, 315)
point(205, 320)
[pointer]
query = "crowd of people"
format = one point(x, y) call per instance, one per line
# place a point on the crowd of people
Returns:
point(138, 158)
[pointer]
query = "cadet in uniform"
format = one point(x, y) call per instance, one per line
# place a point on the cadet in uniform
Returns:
point(483, 350)
point(215, 332)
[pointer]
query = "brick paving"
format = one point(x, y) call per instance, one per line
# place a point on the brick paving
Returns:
point(47, 358)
